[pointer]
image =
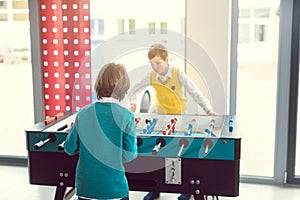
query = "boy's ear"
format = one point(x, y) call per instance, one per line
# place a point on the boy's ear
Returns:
point(167, 60)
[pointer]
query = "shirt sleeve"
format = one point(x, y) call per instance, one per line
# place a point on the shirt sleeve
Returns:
point(144, 82)
point(130, 151)
point(194, 91)
point(71, 144)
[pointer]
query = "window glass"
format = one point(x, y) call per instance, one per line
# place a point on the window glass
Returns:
point(3, 17)
point(132, 26)
point(16, 104)
point(124, 26)
point(244, 33)
point(244, 13)
point(92, 27)
point(151, 26)
point(120, 26)
point(20, 4)
point(3, 5)
point(260, 32)
point(163, 28)
point(97, 27)
point(262, 12)
point(257, 86)
point(100, 26)
point(20, 17)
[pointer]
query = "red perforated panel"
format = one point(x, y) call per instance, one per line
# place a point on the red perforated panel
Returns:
point(65, 35)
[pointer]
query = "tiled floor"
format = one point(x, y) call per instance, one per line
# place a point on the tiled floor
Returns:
point(14, 185)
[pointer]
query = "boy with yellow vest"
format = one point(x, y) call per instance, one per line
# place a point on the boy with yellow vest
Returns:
point(168, 83)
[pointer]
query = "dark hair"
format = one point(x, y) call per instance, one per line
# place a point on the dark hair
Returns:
point(157, 50)
point(112, 81)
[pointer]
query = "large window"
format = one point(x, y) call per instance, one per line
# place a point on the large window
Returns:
point(17, 109)
point(129, 32)
point(16, 104)
point(258, 25)
point(257, 85)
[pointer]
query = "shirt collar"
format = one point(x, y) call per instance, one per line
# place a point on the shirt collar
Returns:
point(169, 73)
point(108, 100)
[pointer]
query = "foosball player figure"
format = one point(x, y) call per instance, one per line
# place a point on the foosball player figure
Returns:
point(170, 127)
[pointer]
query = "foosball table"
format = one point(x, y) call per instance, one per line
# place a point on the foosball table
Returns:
point(190, 154)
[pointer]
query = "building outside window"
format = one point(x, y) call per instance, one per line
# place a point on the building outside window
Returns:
point(100, 26)
point(151, 27)
point(97, 31)
point(253, 25)
point(120, 26)
point(260, 32)
point(131, 26)
point(163, 28)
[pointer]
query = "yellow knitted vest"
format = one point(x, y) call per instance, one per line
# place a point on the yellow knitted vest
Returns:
point(169, 94)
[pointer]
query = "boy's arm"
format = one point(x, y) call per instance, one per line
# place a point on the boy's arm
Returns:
point(130, 142)
point(195, 93)
point(71, 144)
point(144, 82)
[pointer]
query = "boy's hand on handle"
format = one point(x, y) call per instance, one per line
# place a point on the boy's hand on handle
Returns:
point(211, 112)
point(132, 107)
